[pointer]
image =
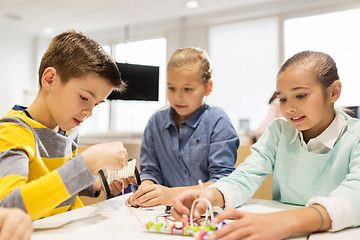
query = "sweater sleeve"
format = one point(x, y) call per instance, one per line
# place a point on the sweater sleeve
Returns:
point(149, 161)
point(223, 147)
point(241, 185)
point(35, 196)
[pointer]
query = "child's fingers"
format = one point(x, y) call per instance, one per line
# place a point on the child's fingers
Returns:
point(121, 155)
point(22, 231)
point(182, 216)
point(15, 225)
point(123, 183)
point(131, 180)
point(231, 232)
point(115, 187)
point(199, 209)
point(27, 235)
point(143, 189)
point(147, 201)
point(124, 160)
point(130, 202)
point(147, 194)
point(179, 210)
point(228, 213)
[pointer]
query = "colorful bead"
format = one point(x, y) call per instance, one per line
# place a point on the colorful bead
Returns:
point(148, 225)
point(184, 229)
point(158, 226)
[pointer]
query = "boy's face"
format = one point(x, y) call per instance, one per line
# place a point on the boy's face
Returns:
point(71, 103)
point(186, 91)
point(303, 101)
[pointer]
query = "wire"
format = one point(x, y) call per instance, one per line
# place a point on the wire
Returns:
point(209, 207)
point(130, 207)
point(202, 187)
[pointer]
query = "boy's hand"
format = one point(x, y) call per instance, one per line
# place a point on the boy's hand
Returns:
point(15, 224)
point(111, 155)
point(130, 180)
point(117, 186)
point(97, 185)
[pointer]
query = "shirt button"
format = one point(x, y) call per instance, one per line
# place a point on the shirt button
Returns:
point(180, 140)
point(197, 140)
point(185, 172)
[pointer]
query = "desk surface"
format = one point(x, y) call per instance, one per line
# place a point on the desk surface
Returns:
point(111, 219)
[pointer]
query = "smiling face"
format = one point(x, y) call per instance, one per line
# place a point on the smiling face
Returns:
point(304, 102)
point(186, 91)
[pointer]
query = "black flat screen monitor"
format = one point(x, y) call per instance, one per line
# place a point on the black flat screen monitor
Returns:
point(142, 83)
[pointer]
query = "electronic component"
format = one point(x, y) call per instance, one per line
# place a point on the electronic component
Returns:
point(107, 176)
point(201, 228)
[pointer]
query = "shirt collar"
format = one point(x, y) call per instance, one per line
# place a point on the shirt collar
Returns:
point(192, 121)
point(331, 134)
point(169, 117)
point(21, 108)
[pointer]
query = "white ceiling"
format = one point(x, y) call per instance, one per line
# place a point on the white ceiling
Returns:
point(94, 15)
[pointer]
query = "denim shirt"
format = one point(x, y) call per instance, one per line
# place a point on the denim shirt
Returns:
point(205, 147)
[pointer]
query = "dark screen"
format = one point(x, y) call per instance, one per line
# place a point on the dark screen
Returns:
point(142, 82)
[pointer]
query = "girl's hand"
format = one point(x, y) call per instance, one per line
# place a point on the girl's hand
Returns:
point(150, 195)
point(252, 226)
point(131, 200)
point(182, 205)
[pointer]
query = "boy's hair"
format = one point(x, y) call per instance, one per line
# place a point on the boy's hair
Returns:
point(193, 59)
point(74, 55)
point(321, 64)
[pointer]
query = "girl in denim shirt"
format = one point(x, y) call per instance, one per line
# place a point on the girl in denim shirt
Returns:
point(189, 141)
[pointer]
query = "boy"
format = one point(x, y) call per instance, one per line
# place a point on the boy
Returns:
point(40, 171)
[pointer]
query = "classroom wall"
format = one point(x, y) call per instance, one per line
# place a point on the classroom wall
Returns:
point(20, 49)
point(178, 33)
point(16, 65)
point(27, 49)
point(245, 56)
